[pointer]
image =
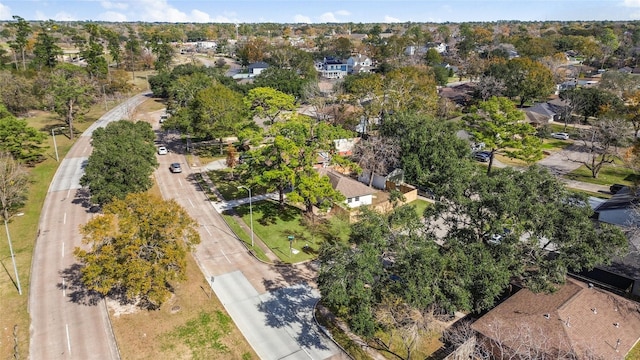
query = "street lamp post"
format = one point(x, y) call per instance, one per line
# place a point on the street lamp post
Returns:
point(13, 256)
point(250, 211)
point(55, 146)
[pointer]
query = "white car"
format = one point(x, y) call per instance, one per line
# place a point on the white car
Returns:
point(162, 150)
point(560, 136)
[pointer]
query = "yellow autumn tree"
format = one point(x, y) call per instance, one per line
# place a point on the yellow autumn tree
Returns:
point(137, 249)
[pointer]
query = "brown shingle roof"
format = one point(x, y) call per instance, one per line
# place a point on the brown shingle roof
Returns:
point(576, 318)
point(348, 187)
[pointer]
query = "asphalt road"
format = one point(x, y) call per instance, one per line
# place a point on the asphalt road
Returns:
point(272, 306)
point(66, 321)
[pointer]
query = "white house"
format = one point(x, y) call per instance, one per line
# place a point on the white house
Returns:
point(333, 68)
point(438, 46)
point(357, 194)
point(359, 64)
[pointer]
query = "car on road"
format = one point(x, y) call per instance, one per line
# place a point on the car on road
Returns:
point(560, 136)
point(175, 168)
point(162, 150)
point(615, 188)
point(163, 118)
point(483, 156)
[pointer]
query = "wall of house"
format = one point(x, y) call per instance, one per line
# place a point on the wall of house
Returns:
point(379, 182)
point(464, 351)
point(359, 201)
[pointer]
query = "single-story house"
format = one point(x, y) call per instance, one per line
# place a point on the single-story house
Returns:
point(380, 182)
point(256, 68)
point(357, 194)
point(578, 321)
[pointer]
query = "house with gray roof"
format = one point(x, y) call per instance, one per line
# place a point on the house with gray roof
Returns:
point(357, 193)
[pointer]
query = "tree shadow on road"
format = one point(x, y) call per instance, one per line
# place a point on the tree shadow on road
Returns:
point(292, 308)
point(75, 289)
point(83, 197)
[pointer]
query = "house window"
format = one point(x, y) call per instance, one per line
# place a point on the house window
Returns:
point(349, 200)
point(357, 198)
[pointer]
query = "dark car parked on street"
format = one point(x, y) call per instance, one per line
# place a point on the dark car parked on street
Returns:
point(615, 188)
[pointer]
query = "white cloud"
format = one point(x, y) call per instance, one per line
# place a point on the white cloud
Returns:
point(114, 5)
point(328, 17)
point(59, 16)
point(343, 13)
point(632, 3)
point(301, 19)
point(5, 12)
point(200, 16)
point(391, 19)
point(112, 16)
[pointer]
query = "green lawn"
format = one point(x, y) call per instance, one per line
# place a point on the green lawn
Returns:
point(228, 186)
point(420, 205)
point(610, 174)
point(274, 226)
point(555, 144)
point(246, 238)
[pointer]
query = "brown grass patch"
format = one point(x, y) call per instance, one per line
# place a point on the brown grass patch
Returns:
point(199, 329)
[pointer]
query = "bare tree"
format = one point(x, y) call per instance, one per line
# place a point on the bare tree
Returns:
point(13, 185)
point(601, 143)
point(378, 155)
point(402, 322)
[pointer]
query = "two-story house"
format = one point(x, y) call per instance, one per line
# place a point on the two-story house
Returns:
point(359, 64)
point(332, 68)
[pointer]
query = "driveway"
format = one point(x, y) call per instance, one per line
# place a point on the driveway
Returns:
point(563, 162)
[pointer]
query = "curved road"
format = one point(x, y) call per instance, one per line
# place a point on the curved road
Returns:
point(272, 306)
point(66, 321)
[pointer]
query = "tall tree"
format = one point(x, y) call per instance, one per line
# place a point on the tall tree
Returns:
point(71, 92)
point(431, 154)
point(268, 102)
point(19, 139)
point(122, 161)
point(14, 183)
point(524, 79)
point(274, 166)
point(312, 189)
point(499, 124)
point(46, 50)
point(601, 143)
point(592, 102)
point(216, 112)
point(93, 53)
point(138, 249)
point(22, 33)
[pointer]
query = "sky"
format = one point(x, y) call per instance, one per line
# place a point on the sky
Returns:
point(319, 11)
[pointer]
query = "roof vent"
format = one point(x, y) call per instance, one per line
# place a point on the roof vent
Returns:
point(595, 311)
point(616, 324)
point(590, 285)
point(547, 316)
point(567, 322)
